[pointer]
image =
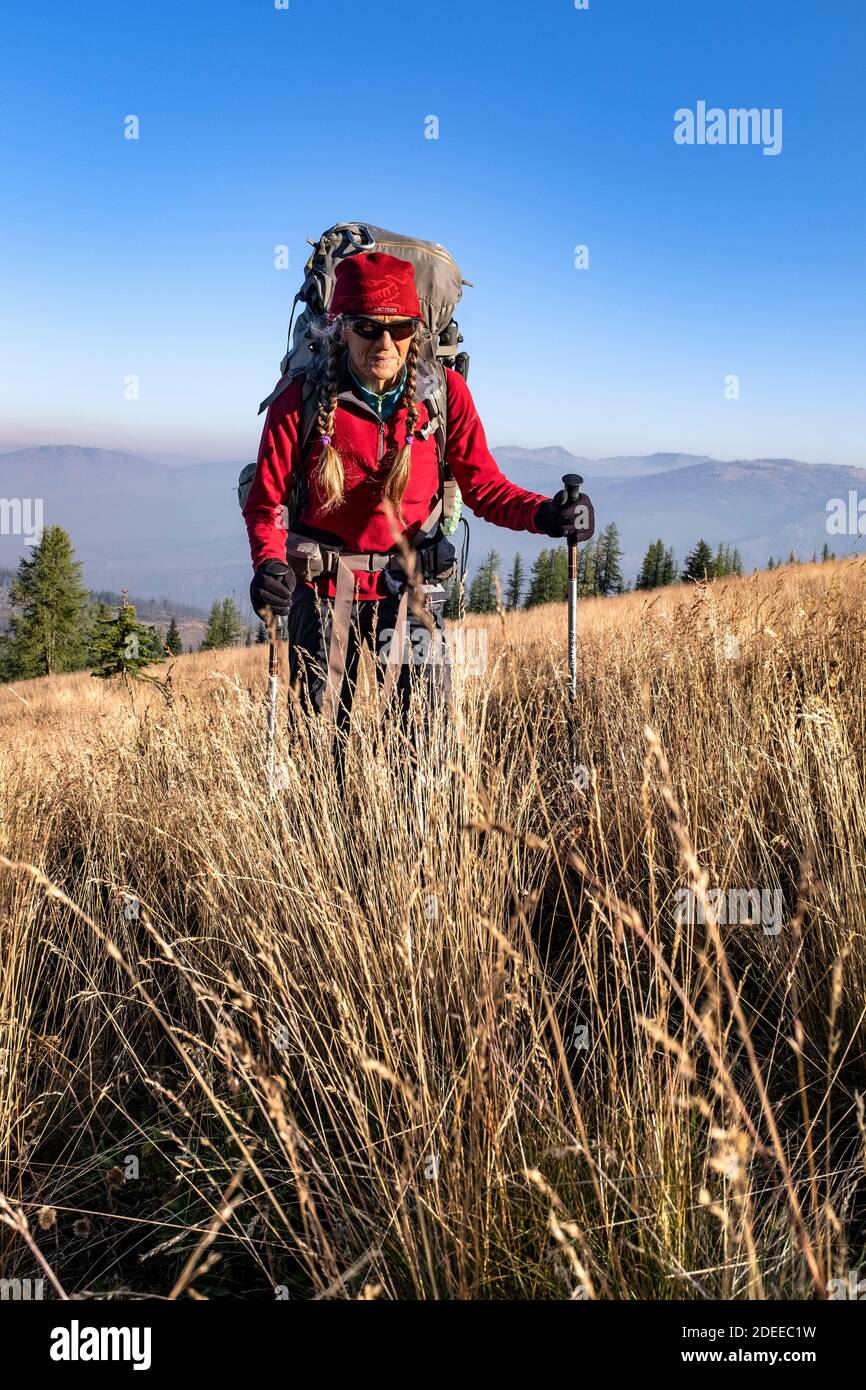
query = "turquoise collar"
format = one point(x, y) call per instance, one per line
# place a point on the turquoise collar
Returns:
point(385, 404)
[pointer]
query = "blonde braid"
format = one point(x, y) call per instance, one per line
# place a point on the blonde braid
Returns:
point(398, 478)
point(329, 469)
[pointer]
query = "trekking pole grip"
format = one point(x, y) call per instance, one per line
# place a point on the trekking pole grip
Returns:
point(572, 482)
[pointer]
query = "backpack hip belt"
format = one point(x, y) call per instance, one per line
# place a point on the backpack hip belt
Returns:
point(341, 565)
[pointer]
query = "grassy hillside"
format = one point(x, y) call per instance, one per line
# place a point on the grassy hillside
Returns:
point(295, 1044)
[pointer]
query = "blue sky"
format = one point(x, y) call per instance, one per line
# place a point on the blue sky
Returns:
point(260, 126)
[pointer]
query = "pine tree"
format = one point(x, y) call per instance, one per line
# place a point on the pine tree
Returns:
point(152, 643)
point(699, 565)
point(540, 580)
point(122, 646)
point(455, 599)
point(608, 577)
point(232, 623)
point(482, 590)
point(172, 640)
point(587, 557)
point(514, 587)
point(261, 634)
point(771, 563)
point(668, 568)
point(213, 631)
point(559, 574)
point(98, 614)
point(650, 574)
point(224, 626)
point(736, 563)
point(826, 553)
point(49, 632)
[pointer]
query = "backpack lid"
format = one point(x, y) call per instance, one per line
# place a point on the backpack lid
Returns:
point(438, 281)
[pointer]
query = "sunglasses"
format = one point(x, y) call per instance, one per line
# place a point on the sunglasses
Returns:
point(371, 329)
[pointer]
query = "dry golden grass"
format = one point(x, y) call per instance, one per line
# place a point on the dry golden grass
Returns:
point(355, 1057)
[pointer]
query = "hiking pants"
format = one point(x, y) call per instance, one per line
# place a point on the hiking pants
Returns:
point(425, 659)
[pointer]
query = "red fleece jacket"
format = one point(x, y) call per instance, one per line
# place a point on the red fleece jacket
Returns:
point(367, 447)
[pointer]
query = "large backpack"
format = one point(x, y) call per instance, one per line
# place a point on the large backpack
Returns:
point(440, 287)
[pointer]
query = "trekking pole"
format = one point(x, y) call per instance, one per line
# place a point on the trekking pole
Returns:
point(572, 482)
point(276, 633)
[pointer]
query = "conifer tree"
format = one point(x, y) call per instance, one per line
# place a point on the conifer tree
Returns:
point(213, 629)
point(48, 632)
point(540, 580)
point(699, 564)
point(559, 574)
point(224, 626)
point(232, 623)
point(514, 587)
point(608, 577)
point(455, 603)
point(652, 567)
point(122, 646)
point(482, 590)
point(587, 556)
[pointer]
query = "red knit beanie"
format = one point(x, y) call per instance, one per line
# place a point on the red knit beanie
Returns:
point(375, 284)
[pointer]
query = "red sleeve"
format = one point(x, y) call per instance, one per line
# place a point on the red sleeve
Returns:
point(275, 465)
point(485, 489)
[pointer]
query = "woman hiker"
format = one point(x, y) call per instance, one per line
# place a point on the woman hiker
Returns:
point(371, 475)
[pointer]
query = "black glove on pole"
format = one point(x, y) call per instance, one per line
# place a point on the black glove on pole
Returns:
point(566, 503)
point(572, 482)
point(272, 587)
point(570, 510)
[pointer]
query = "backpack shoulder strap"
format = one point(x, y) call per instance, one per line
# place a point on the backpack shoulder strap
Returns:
point(282, 385)
point(308, 416)
point(308, 405)
point(306, 430)
point(436, 401)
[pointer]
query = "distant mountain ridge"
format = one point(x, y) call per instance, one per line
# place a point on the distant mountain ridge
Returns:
point(615, 467)
point(159, 529)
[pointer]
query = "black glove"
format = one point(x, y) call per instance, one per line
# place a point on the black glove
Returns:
point(557, 516)
point(272, 587)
